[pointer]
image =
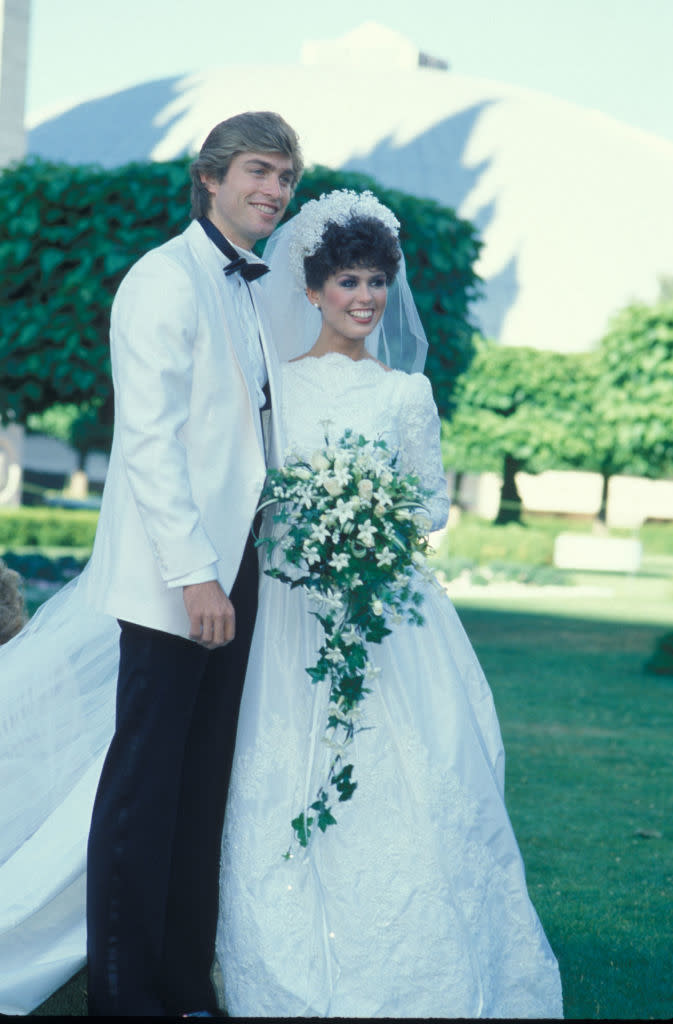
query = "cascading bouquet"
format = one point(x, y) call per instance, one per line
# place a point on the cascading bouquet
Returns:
point(353, 532)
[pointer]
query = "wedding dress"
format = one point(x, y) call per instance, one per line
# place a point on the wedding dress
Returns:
point(415, 903)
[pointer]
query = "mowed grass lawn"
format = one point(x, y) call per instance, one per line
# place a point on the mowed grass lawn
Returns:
point(589, 740)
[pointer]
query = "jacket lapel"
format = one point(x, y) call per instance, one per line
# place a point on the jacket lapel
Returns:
point(213, 262)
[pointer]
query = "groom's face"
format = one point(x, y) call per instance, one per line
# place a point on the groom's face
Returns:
point(252, 198)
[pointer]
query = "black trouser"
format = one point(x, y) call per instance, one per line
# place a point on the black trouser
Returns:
point(154, 844)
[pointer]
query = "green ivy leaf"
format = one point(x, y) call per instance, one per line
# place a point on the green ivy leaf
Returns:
point(343, 784)
point(302, 828)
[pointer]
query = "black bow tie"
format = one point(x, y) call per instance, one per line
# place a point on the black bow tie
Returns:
point(238, 264)
point(248, 271)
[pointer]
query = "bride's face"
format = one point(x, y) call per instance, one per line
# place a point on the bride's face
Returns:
point(351, 302)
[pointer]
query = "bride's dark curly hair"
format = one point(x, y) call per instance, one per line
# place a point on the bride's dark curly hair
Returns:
point(360, 242)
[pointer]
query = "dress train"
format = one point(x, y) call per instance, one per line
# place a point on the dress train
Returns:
point(57, 695)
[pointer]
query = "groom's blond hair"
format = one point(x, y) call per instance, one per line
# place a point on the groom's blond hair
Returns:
point(256, 132)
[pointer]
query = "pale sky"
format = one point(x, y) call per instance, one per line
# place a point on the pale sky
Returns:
point(610, 55)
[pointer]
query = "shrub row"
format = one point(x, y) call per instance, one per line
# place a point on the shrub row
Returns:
point(480, 543)
point(38, 566)
point(47, 527)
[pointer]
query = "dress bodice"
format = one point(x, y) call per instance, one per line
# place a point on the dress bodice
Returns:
point(329, 394)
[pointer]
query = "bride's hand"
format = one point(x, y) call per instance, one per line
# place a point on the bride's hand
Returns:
point(212, 620)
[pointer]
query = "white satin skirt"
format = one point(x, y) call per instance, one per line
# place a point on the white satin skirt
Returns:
point(415, 903)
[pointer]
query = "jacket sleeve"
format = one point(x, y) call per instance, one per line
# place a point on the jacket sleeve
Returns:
point(154, 328)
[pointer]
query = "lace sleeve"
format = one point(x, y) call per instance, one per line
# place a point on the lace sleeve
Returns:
point(420, 451)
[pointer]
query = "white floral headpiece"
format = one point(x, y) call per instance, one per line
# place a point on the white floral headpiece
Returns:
point(308, 227)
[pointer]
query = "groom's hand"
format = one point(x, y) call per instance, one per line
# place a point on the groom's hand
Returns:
point(212, 620)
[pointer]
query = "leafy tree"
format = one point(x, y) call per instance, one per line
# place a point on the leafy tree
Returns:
point(514, 412)
point(80, 426)
point(608, 411)
point(69, 234)
point(626, 411)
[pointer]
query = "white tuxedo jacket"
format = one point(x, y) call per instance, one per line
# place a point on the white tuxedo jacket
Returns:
point(188, 455)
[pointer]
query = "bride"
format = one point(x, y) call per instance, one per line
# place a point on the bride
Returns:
point(415, 903)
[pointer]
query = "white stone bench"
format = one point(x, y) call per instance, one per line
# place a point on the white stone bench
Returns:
point(605, 554)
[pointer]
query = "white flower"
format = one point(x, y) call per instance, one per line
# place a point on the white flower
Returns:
point(364, 463)
point(321, 477)
point(339, 561)
point(311, 555)
point(350, 636)
point(355, 581)
point(385, 557)
point(342, 474)
point(344, 511)
point(334, 655)
point(332, 600)
point(339, 749)
point(377, 607)
point(333, 487)
point(422, 521)
point(302, 473)
point(319, 533)
point(382, 497)
point(348, 717)
point(365, 489)
point(366, 533)
point(386, 478)
point(319, 462)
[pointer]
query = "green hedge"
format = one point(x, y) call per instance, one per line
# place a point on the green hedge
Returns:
point(481, 543)
point(69, 234)
point(35, 565)
point(47, 527)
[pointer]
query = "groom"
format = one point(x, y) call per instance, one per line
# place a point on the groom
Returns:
point(174, 562)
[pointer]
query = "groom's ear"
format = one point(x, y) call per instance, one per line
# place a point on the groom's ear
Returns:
point(210, 182)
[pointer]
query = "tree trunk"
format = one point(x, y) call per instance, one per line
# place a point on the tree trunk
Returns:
point(457, 483)
point(510, 499)
point(603, 510)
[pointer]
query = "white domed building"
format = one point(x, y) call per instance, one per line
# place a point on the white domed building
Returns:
point(575, 209)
